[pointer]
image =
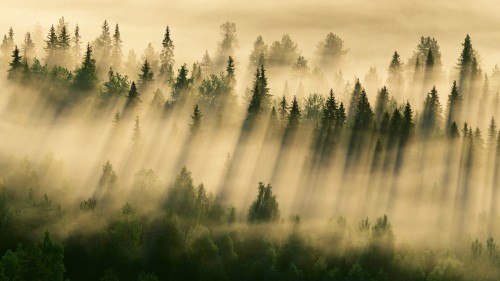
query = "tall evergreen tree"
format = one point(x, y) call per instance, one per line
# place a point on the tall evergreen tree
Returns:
point(492, 134)
point(116, 50)
point(431, 116)
point(51, 48)
point(167, 58)
point(381, 103)
point(395, 80)
point(293, 120)
point(228, 44)
point(230, 73)
point(454, 105)
point(63, 47)
point(146, 75)
point(86, 75)
point(181, 85)
point(355, 97)
point(77, 49)
point(363, 118)
point(15, 65)
point(28, 48)
point(195, 120)
point(260, 100)
point(133, 98)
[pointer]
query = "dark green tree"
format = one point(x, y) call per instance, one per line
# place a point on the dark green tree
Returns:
point(381, 103)
point(395, 80)
point(146, 75)
point(52, 46)
point(454, 105)
point(363, 118)
point(194, 127)
point(133, 98)
point(16, 65)
point(431, 116)
point(265, 207)
point(86, 75)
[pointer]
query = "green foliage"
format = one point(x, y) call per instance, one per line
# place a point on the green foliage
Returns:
point(86, 75)
point(116, 86)
point(265, 207)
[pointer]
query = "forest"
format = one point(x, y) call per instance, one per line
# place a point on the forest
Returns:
point(271, 166)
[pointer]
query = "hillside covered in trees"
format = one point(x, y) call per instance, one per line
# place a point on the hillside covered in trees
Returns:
point(273, 166)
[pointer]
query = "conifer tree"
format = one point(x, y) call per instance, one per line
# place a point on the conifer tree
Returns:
point(453, 131)
point(331, 51)
point(63, 47)
point(265, 207)
point(52, 42)
point(431, 116)
point(15, 65)
point(86, 75)
point(363, 117)
point(137, 136)
point(381, 103)
point(230, 70)
point(195, 120)
point(116, 50)
point(181, 85)
point(454, 105)
point(355, 97)
point(206, 64)
point(133, 98)
point(293, 120)
point(146, 75)
point(395, 78)
point(28, 48)
point(167, 58)
point(283, 110)
point(259, 53)
point(492, 133)
point(228, 44)
point(77, 49)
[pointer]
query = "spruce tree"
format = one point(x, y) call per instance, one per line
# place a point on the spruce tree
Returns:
point(52, 42)
point(395, 78)
point(431, 116)
point(181, 86)
point(381, 103)
point(230, 70)
point(28, 48)
point(133, 98)
point(146, 75)
point(167, 58)
point(195, 120)
point(86, 75)
point(137, 137)
point(363, 117)
point(15, 65)
point(454, 105)
point(77, 49)
point(492, 133)
point(116, 50)
point(293, 120)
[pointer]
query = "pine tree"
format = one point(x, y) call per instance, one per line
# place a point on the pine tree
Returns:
point(407, 125)
point(283, 110)
point(228, 44)
point(259, 53)
point(331, 51)
point(230, 76)
point(381, 103)
point(167, 58)
point(355, 97)
point(260, 101)
point(293, 120)
point(63, 47)
point(146, 75)
point(104, 41)
point(181, 85)
point(86, 75)
point(363, 117)
point(15, 65)
point(195, 120)
point(454, 105)
point(465, 62)
point(137, 137)
point(52, 42)
point(206, 64)
point(492, 133)
point(133, 98)
point(28, 47)
point(453, 131)
point(77, 49)
point(265, 207)
point(116, 51)
point(395, 78)
point(431, 117)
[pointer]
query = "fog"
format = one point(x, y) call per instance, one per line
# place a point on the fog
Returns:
point(427, 192)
